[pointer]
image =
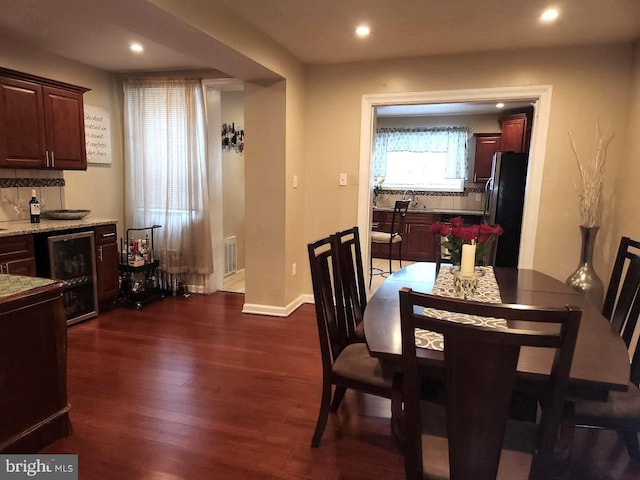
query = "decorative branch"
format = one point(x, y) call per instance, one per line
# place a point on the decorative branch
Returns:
point(591, 178)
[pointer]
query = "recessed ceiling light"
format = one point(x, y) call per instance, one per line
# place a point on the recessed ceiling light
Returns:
point(549, 15)
point(136, 47)
point(363, 31)
point(500, 105)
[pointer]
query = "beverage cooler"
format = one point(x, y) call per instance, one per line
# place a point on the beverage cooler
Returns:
point(72, 260)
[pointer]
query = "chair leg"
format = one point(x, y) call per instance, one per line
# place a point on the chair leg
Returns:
point(323, 415)
point(390, 256)
point(338, 395)
point(397, 413)
point(631, 440)
point(400, 253)
point(370, 264)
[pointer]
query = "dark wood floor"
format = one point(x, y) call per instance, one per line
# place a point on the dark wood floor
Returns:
point(190, 388)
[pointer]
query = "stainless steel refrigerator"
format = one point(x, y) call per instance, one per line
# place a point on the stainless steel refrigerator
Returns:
point(504, 205)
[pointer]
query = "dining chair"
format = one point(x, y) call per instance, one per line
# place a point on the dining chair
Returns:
point(352, 280)
point(627, 250)
point(393, 236)
point(621, 411)
point(480, 365)
point(345, 362)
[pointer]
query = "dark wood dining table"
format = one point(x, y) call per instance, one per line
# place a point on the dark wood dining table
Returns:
point(600, 362)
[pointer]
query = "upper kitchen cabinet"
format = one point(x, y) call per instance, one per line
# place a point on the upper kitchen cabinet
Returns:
point(42, 123)
point(486, 144)
point(516, 131)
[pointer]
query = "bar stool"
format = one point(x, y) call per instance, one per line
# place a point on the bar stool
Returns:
point(393, 237)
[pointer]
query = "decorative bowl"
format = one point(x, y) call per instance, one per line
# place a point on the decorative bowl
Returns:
point(66, 214)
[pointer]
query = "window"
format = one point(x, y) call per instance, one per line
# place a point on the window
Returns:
point(421, 159)
point(166, 171)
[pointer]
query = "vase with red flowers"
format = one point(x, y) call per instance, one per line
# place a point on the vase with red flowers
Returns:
point(456, 234)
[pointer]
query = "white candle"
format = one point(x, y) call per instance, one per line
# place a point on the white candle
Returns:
point(468, 259)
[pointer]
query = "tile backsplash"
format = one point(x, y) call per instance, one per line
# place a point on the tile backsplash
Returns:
point(15, 192)
point(471, 199)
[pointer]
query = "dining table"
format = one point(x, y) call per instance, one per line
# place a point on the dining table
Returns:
point(600, 361)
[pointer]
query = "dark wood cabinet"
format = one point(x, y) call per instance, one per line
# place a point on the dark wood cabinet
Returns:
point(42, 123)
point(33, 369)
point(514, 130)
point(107, 265)
point(417, 242)
point(17, 255)
point(486, 145)
point(64, 127)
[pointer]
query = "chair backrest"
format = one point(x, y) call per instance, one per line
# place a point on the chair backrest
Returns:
point(616, 298)
point(328, 297)
point(480, 372)
point(399, 216)
point(352, 275)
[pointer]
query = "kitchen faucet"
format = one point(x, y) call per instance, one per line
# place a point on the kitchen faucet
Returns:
point(410, 195)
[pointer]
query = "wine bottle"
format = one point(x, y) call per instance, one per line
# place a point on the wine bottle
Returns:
point(34, 207)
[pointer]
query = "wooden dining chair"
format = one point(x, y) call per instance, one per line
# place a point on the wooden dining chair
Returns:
point(621, 411)
point(345, 362)
point(479, 440)
point(352, 280)
point(615, 298)
point(394, 235)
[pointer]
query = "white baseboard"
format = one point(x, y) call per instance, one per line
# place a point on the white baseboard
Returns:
point(272, 310)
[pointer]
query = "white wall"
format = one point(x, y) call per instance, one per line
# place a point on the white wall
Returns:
point(232, 107)
point(588, 83)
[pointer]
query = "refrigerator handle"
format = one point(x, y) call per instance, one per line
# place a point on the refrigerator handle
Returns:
point(487, 199)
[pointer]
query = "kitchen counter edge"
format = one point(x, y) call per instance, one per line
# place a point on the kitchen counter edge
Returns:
point(447, 211)
point(9, 229)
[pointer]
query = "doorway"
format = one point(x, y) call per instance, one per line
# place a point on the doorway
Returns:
point(225, 117)
point(541, 94)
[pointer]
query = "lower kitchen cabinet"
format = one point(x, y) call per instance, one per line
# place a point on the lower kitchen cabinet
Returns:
point(107, 265)
point(33, 366)
point(417, 242)
point(17, 255)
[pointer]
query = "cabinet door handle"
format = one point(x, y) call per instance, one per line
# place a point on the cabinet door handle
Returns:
point(46, 152)
point(53, 160)
point(100, 253)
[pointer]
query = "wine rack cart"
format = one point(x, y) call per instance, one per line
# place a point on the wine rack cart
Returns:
point(138, 283)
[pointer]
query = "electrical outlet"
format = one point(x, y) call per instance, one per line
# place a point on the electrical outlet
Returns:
point(343, 179)
point(478, 197)
point(294, 269)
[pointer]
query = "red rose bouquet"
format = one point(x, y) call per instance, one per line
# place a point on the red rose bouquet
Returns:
point(457, 234)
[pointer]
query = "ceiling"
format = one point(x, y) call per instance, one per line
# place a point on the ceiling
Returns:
point(98, 32)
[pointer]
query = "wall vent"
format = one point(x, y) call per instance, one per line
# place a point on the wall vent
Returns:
point(230, 255)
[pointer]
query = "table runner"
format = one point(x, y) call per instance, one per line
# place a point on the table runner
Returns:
point(487, 291)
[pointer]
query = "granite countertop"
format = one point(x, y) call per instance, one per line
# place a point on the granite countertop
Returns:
point(14, 284)
point(23, 227)
point(448, 211)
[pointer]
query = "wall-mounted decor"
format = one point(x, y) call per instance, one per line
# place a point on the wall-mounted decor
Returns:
point(232, 138)
point(97, 133)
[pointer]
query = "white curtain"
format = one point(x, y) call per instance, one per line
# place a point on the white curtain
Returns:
point(452, 140)
point(166, 173)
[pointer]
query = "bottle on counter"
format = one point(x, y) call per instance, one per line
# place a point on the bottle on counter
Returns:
point(34, 207)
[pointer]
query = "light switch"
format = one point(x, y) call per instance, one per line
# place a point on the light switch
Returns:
point(343, 179)
point(295, 181)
